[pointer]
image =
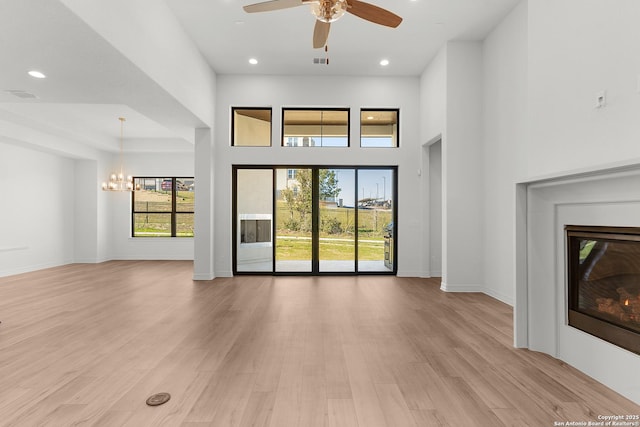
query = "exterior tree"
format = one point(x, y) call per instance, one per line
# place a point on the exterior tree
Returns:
point(300, 200)
point(328, 184)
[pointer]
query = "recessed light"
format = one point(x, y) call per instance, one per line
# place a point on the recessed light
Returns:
point(253, 61)
point(36, 74)
point(384, 62)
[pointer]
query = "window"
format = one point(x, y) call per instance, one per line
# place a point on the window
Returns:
point(251, 127)
point(315, 128)
point(163, 207)
point(378, 128)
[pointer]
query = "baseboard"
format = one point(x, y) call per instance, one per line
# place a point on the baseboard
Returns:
point(224, 273)
point(430, 274)
point(152, 258)
point(499, 296)
point(203, 277)
point(461, 288)
point(408, 273)
point(476, 288)
point(87, 261)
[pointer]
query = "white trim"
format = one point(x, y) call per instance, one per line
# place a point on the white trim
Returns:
point(507, 299)
point(461, 288)
point(229, 274)
point(203, 277)
point(408, 274)
point(481, 289)
point(163, 257)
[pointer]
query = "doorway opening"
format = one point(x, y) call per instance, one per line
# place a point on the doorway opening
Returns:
point(314, 220)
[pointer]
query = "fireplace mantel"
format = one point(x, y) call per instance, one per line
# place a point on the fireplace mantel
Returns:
point(541, 316)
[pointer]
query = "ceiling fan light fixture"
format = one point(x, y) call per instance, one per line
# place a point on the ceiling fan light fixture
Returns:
point(328, 10)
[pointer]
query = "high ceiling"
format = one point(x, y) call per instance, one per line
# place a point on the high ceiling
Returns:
point(282, 40)
point(91, 83)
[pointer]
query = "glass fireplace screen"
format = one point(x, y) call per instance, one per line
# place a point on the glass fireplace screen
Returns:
point(604, 282)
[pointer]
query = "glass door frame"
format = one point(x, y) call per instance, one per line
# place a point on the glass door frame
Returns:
point(315, 219)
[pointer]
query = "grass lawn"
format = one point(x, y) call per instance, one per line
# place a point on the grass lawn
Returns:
point(296, 245)
point(294, 249)
point(158, 223)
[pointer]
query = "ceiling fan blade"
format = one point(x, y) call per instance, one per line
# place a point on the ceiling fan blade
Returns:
point(373, 13)
point(320, 34)
point(267, 6)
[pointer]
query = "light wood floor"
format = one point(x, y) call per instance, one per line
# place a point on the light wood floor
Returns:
point(87, 344)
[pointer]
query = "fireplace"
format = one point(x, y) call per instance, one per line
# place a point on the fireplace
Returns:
point(604, 283)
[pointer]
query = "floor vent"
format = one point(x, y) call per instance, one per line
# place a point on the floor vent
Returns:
point(158, 399)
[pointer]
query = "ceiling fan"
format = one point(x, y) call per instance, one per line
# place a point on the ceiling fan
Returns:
point(328, 11)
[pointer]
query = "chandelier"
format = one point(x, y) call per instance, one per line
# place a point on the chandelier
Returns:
point(328, 10)
point(118, 181)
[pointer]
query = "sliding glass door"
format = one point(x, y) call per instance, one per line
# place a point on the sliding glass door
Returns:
point(323, 220)
point(253, 240)
point(336, 221)
point(294, 220)
point(376, 215)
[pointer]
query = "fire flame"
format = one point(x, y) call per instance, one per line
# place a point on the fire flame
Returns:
point(626, 302)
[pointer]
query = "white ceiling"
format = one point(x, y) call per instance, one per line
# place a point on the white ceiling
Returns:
point(281, 40)
point(90, 83)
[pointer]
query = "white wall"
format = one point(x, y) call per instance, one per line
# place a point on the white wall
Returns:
point(462, 175)
point(433, 98)
point(435, 209)
point(123, 246)
point(82, 223)
point(86, 193)
point(353, 92)
point(204, 233)
point(37, 214)
point(570, 60)
point(504, 146)
point(433, 107)
point(451, 111)
point(576, 49)
point(150, 36)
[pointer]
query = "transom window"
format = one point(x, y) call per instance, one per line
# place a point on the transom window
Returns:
point(251, 127)
point(163, 207)
point(315, 127)
point(379, 128)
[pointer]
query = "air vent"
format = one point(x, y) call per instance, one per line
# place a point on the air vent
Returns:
point(21, 94)
point(323, 61)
